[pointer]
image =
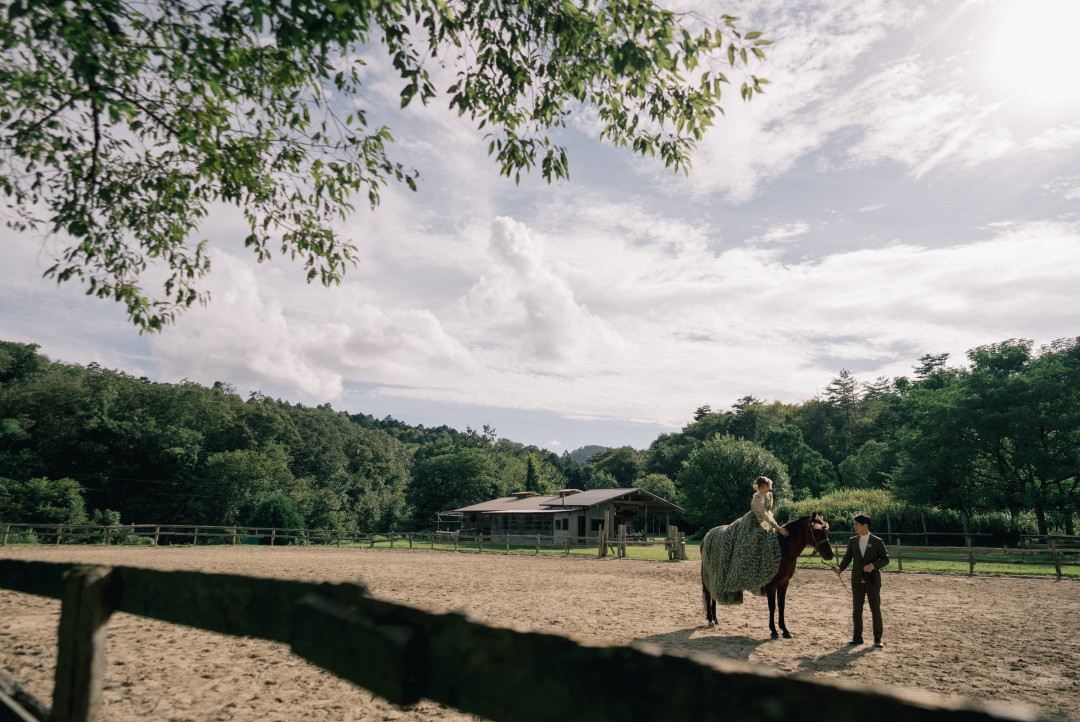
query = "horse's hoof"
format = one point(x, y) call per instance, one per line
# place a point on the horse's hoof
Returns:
point(712, 624)
point(787, 634)
point(774, 635)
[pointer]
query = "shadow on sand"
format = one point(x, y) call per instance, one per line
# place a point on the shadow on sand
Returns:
point(741, 648)
point(839, 659)
point(730, 647)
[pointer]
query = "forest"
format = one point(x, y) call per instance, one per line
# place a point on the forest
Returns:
point(996, 437)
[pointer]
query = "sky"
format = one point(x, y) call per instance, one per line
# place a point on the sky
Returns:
point(908, 185)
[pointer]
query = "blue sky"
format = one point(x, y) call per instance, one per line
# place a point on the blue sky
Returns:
point(909, 184)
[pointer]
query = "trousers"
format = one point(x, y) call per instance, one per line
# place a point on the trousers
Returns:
point(860, 593)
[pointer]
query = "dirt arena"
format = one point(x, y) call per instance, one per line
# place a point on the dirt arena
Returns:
point(1000, 639)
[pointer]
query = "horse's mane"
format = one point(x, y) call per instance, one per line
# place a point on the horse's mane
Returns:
point(792, 526)
point(797, 521)
point(804, 518)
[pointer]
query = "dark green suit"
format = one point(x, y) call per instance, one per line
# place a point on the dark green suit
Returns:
point(865, 585)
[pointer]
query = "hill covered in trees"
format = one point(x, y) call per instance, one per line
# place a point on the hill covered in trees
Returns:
point(999, 434)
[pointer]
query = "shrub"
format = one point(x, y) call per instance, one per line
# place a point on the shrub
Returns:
point(276, 512)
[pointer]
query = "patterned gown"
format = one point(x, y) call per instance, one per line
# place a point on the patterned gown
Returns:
point(742, 555)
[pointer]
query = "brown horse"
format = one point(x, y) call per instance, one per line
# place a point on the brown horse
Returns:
point(802, 532)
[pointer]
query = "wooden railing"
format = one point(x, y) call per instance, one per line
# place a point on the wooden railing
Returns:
point(405, 654)
point(674, 543)
point(1050, 555)
point(1058, 551)
point(1036, 550)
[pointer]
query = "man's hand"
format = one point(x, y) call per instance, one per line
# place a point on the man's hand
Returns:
point(837, 570)
point(868, 568)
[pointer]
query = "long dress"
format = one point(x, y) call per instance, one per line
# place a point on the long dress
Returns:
point(743, 555)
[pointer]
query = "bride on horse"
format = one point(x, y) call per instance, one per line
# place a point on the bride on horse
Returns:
point(747, 555)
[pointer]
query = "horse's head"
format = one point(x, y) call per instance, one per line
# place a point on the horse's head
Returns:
point(819, 536)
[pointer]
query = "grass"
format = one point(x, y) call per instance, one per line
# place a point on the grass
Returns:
point(929, 561)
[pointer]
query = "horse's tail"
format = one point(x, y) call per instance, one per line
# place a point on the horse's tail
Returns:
point(706, 596)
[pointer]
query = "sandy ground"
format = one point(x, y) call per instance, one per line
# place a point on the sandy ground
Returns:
point(991, 638)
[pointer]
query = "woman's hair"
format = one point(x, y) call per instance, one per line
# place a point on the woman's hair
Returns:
point(762, 480)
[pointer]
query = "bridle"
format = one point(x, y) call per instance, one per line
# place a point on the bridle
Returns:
point(824, 527)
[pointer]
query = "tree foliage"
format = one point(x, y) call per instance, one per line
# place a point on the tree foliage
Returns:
point(459, 477)
point(276, 512)
point(183, 453)
point(716, 484)
point(997, 439)
point(42, 501)
point(1002, 433)
point(122, 123)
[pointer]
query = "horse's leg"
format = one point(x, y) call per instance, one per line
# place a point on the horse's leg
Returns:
point(781, 593)
point(710, 606)
point(771, 592)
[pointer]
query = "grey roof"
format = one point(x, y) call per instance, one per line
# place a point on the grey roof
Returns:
point(547, 504)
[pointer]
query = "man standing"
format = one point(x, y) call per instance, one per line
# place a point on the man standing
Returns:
point(869, 554)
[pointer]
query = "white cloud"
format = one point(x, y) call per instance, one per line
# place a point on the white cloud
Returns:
point(786, 233)
point(265, 327)
point(522, 303)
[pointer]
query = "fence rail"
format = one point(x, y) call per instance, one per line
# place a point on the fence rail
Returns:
point(405, 654)
point(674, 543)
point(1055, 550)
point(1050, 556)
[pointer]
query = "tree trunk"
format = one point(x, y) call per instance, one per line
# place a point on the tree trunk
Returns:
point(1040, 516)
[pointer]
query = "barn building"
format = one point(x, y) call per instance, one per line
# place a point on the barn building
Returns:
point(568, 513)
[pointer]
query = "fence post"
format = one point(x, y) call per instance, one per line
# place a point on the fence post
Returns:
point(410, 540)
point(537, 544)
point(1054, 551)
point(391, 540)
point(59, 532)
point(888, 526)
point(508, 542)
point(971, 556)
point(80, 659)
point(480, 543)
point(157, 533)
point(567, 546)
point(195, 542)
point(7, 528)
point(899, 554)
point(926, 534)
point(273, 536)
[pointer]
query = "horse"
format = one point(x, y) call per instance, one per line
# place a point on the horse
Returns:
point(802, 532)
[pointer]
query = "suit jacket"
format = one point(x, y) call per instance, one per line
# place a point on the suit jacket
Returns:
point(876, 554)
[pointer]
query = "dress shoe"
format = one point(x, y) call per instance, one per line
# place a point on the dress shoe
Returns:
point(856, 640)
point(878, 643)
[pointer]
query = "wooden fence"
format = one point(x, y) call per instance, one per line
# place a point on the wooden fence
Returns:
point(1056, 551)
point(1053, 550)
point(674, 543)
point(405, 654)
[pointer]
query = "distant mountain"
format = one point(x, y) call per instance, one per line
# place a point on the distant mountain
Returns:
point(580, 456)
